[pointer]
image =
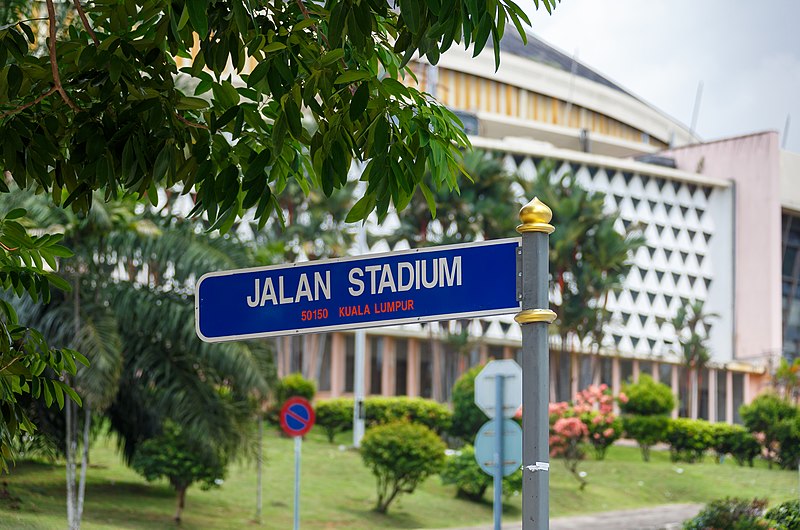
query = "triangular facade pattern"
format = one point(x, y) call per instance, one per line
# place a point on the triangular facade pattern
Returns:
point(674, 267)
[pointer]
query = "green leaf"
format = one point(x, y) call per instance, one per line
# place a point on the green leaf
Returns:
point(361, 209)
point(358, 104)
point(273, 47)
point(352, 75)
point(429, 198)
point(198, 16)
point(16, 213)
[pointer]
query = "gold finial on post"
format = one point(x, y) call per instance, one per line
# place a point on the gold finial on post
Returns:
point(535, 217)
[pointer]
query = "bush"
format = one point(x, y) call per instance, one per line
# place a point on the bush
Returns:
point(604, 430)
point(467, 417)
point(646, 430)
point(181, 460)
point(787, 436)
point(383, 410)
point(334, 416)
point(294, 385)
point(772, 417)
point(786, 516)
point(647, 398)
point(462, 470)
point(401, 455)
point(730, 514)
point(689, 439)
point(736, 441)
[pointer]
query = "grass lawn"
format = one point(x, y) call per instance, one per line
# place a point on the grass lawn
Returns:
point(337, 491)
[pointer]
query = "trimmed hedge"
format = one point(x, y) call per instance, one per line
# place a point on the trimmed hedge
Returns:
point(467, 417)
point(736, 441)
point(733, 514)
point(689, 439)
point(336, 415)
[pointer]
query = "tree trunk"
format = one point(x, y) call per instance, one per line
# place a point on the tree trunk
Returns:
point(259, 467)
point(87, 421)
point(70, 468)
point(181, 503)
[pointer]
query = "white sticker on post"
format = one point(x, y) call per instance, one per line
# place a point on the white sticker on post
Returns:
point(539, 466)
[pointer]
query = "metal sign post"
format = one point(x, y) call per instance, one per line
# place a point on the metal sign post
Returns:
point(534, 318)
point(498, 453)
point(298, 441)
point(297, 417)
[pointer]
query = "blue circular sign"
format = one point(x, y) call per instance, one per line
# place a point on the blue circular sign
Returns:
point(512, 447)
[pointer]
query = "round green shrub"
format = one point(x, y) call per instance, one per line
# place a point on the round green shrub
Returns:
point(776, 419)
point(334, 416)
point(647, 398)
point(646, 430)
point(294, 385)
point(462, 470)
point(786, 516)
point(467, 417)
point(689, 439)
point(401, 455)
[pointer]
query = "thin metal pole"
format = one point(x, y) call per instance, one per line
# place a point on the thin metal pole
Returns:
point(535, 317)
point(498, 451)
point(298, 440)
point(358, 368)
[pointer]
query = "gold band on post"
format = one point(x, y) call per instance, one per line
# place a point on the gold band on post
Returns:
point(535, 315)
point(535, 217)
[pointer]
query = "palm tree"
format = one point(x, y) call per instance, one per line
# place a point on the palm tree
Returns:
point(130, 312)
point(691, 324)
point(589, 258)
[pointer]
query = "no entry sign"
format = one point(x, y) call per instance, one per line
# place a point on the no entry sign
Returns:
point(297, 416)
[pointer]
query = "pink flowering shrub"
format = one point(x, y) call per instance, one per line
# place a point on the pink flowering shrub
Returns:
point(589, 421)
point(596, 408)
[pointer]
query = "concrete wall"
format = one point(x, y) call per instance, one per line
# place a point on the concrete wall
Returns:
point(753, 164)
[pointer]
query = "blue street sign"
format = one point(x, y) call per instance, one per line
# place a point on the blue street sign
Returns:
point(438, 283)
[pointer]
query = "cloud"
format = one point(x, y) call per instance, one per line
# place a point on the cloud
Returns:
point(747, 57)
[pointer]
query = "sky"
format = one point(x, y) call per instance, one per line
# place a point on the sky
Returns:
point(746, 54)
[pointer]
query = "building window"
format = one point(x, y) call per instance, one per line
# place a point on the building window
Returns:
point(495, 352)
point(702, 394)
point(296, 355)
point(738, 396)
point(564, 377)
point(683, 393)
point(606, 368)
point(450, 369)
point(401, 367)
point(646, 368)
point(722, 393)
point(325, 362)
point(425, 369)
point(586, 378)
point(625, 371)
point(349, 362)
point(376, 365)
point(665, 374)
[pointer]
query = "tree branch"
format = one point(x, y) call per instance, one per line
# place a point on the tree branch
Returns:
point(30, 104)
point(190, 123)
point(51, 15)
point(85, 21)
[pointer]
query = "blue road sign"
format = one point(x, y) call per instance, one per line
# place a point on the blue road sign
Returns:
point(512, 447)
point(297, 416)
point(438, 283)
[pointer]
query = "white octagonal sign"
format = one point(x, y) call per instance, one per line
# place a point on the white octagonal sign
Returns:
point(511, 373)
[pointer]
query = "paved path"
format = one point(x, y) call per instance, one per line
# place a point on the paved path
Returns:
point(669, 516)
